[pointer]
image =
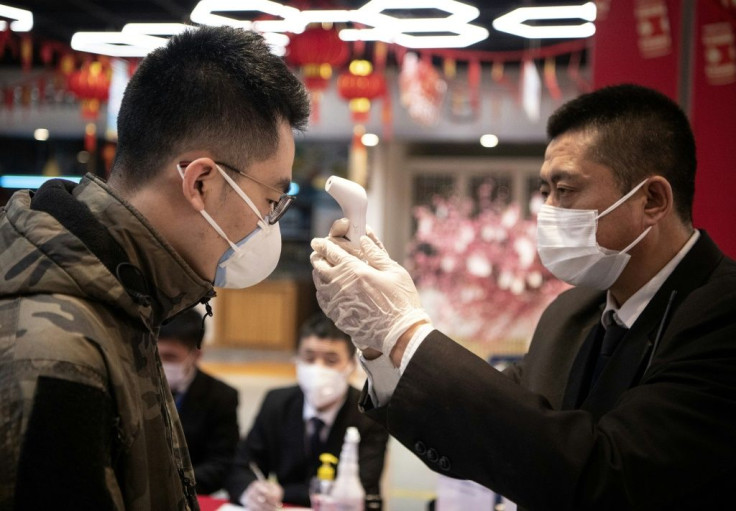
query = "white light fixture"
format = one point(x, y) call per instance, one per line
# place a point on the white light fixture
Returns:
point(379, 25)
point(489, 140)
point(23, 19)
point(514, 22)
point(41, 134)
point(116, 44)
point(204, 14)
point(405, 31)
point(369, 139)
point(160, 29)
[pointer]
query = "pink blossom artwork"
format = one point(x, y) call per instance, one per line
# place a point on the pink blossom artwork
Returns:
point(476, 268)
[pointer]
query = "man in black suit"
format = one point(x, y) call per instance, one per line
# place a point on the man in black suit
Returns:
point(627, 396)
point(207, 406)
point(298, 423)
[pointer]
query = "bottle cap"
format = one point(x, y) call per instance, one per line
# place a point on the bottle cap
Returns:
point(352, 434)
point(326, 472)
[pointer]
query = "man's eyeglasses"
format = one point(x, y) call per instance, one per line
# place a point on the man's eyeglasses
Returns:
point(278, 207)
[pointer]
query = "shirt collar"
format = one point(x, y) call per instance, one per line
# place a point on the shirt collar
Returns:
point(327, 416)
point(630, 311)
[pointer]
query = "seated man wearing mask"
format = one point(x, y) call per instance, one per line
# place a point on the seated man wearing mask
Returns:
point(298, 423)
point(207, 406)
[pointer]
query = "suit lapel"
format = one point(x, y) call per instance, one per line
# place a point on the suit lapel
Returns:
point(337, 431)
point(626, 365)
point(294, 435)
point(581, 368)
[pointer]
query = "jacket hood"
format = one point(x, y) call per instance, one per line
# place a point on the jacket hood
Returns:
point(85, 241)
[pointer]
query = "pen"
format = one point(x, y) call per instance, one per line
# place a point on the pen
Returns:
point(259, 474)
point(257, 471)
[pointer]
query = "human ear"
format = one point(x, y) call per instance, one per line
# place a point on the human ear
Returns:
point(659, 199)
point(196, 181)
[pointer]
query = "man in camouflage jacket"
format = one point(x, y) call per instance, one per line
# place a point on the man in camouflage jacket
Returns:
point(89, 272)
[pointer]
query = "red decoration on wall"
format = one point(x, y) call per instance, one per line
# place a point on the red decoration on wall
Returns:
point(713, 116)
point(653, 27)
point(421, 89)
point(550, 78)
point(719, 53)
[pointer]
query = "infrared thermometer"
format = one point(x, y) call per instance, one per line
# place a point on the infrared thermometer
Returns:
point(354, 202)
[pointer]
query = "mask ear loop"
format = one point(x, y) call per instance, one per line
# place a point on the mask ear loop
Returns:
point(261, 223)
point(622, 200)
point(617, 204)
point(211, 220)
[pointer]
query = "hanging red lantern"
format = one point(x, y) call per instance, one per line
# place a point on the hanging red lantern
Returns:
point(316, 51)
point(92, 81)
point(359, 86)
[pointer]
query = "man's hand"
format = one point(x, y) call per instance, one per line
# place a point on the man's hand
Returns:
point(367, 294)
point(262, 496)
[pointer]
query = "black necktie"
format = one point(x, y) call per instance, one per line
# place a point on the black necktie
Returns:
point(613, 335)
point(316, 445)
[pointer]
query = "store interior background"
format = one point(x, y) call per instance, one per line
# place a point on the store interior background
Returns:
point(458, 214)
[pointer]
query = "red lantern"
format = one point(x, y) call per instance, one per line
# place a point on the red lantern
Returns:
point(316, 51)
point(92, 81)
point(359, 86)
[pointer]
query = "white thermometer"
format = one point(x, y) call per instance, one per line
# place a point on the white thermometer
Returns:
point(354, 202)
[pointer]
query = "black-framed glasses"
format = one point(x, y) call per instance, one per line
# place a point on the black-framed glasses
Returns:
point(278, 207)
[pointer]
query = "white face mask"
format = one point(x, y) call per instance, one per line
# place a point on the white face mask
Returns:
point(321, 385)
point(177, 374)
point(252, 259)
point(568, 248)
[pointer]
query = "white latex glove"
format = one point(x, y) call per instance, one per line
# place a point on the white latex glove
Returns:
point(369, 296)
point(262, 496)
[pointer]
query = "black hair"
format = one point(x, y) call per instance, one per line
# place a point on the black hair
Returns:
point(186, 328)
point(638, 132)
point(322, 327)
point(214, 88)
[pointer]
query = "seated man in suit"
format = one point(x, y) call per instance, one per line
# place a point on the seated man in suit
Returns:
point(207, 406)
point(298, 423)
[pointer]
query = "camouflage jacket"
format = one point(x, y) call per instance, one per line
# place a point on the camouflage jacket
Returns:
point(86, 419)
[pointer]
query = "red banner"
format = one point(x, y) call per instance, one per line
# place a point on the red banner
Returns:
point(713, 115)
point(637, 41)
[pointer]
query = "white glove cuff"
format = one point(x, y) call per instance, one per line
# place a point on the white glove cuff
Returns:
point(400, 326)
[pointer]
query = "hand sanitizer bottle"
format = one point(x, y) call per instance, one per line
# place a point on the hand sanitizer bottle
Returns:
point(320, 487)
point(348, 493)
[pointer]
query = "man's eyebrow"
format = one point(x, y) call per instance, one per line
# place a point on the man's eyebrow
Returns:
point(557, 175)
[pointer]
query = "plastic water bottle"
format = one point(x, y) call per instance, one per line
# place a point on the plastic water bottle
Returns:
point(347, 493)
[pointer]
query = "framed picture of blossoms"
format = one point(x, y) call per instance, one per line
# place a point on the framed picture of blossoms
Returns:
point(472, 251)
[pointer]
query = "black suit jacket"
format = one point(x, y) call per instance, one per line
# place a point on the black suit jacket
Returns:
point(208, 413)
point(652, 435)
point(276, 443)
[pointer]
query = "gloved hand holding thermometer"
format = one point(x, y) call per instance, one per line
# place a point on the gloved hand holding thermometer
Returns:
point(367, 294)
point(354, 203)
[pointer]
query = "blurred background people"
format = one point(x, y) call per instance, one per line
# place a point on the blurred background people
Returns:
point(207, 406)
point(296, 424)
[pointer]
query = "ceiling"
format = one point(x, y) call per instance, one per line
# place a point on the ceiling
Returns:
point(59, 19)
